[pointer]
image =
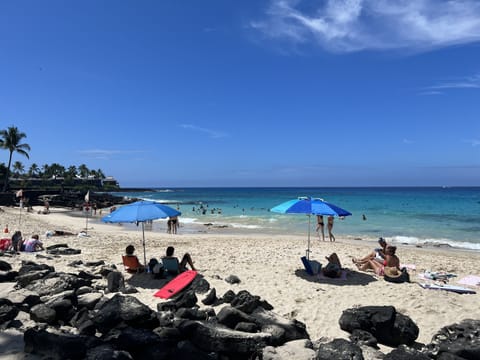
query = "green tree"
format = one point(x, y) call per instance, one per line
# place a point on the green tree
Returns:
point(57, 170)
point(18, 168)
point(100, 174)
point(10, 140)
point(83, 170)
point(46, 171)
point(33, 170)
point(72, 171)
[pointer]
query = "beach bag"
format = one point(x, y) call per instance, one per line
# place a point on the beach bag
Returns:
point(158, 271)
point(5, 244)
point(156, 268)
point(151, 264)
point(392, 275)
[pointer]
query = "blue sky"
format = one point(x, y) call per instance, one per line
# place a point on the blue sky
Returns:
point(247, 93)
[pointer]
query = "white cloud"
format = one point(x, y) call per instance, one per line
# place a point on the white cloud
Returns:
point(407, 141)
point(355, 25)
point(211, 133)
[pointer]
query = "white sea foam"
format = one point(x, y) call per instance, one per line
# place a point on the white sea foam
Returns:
point(186, 220)
point(244, 226)
point(436, 242)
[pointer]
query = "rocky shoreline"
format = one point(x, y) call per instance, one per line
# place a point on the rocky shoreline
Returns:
point(67, 199)
point(89, 313)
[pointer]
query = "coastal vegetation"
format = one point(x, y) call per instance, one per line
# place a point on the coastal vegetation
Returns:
point(10, 139)
point(48, 176)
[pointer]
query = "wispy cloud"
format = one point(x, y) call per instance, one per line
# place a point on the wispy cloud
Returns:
point(407, 141)
point(431, 92)
point(107, 154)
point(355, 25)
point(473, 142)
point(467, 82)
point(215, 134)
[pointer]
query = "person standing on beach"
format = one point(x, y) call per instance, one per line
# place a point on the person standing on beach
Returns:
point(330, 228)
point(175, 224)
point(320, 226)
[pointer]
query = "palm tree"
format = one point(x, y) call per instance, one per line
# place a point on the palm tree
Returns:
point(45, 171)
point(72, 171)
point(84, 171)
point(10, 140)
point(18, 168)
point(57, 170)
point(100, 174)
point(33, 170)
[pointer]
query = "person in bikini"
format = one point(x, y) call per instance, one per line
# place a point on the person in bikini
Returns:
point(320, 226)
point(391, 260)
point(377, 254)
point(330, 228)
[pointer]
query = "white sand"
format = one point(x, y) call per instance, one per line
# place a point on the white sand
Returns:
point(270, 266)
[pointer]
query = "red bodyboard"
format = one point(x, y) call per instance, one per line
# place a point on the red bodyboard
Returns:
point(176, 285)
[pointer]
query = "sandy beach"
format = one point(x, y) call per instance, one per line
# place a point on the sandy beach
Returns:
point(270, 267)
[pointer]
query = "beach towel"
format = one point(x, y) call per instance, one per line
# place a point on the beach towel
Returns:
point(411, 267)
point(471, 280)
point(342, 277)
point(451, 288)
point(436, 275)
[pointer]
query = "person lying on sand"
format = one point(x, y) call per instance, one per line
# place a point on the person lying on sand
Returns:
point(57, 233)
point(334, 268)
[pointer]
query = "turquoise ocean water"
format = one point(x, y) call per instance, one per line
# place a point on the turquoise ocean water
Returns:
point(413, 215)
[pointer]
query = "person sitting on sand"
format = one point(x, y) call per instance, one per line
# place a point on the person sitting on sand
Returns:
point(17, 240)
point(378, 254)
point(33, 244)
point(129, 253)
point(391, 260)
point(182, 265)
point(334, 268)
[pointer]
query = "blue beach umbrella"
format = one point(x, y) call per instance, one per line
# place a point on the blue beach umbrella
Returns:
point(139, 212)
point(309, 206)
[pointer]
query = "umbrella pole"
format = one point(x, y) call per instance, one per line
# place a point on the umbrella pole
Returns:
point(308, 249)
point(144, 252)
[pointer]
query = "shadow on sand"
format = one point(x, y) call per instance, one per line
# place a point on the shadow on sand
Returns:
point(353, 278)
point(147, 281)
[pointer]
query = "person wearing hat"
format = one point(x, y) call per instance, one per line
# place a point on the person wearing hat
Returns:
point(394, 275)
point(378, 254)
